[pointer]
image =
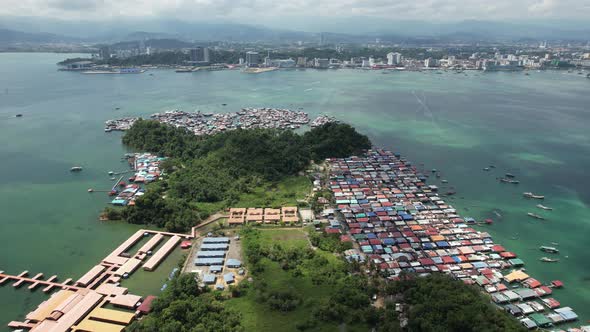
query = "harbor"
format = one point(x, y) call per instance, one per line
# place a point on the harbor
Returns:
point(97, 301)
point(402, 225)
point(48, 210)
point(211, 123)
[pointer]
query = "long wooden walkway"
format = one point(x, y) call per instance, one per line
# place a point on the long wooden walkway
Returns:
point(35, 281)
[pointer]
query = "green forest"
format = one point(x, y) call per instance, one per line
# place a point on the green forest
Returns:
point(222, 169)
point(294, 287)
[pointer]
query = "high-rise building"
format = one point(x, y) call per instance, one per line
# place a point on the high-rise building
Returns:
point(200, 55)
point(104, 52)
point(394, 58)
point(430, 62)
point(252, 59)
point(321, 63)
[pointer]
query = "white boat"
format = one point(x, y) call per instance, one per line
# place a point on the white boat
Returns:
point(531, 195)
point(536, 216)
point(541, 206)
point(76, 169)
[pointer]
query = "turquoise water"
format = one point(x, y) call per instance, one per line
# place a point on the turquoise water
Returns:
point(533, 126)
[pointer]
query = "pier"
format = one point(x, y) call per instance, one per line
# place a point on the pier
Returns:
point(77, 305)
point(35, 281)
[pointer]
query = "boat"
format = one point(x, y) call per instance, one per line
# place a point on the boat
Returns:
point(510, 175)
point(90, 190)
point(531, 195)
point(19, 115)
point(505, 180)
point(536, 216)
point(76, 169)
point(444, 181)
point(552, 250)
point(549, 260)
point(541, 206)
point(486, 169)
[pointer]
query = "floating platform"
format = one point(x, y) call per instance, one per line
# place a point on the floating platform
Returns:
point(36, 281)
point(153, 262)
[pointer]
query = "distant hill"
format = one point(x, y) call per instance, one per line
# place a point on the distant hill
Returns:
point(12, 37)
point(153, 43)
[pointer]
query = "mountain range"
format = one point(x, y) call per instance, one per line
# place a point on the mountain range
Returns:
point(34, 30)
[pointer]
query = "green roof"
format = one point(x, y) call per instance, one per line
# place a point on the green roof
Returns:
point(540, 319)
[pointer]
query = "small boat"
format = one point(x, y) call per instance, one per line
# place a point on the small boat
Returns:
point(505, 180)
point(111, 172)
point(117, 108)
point(224, 104)
point(486, 169)
point(492, 166)
point(549, 260)
point(90, 190)
point(434, 170)
point(444, 181)
point(552, 250)
point(489, 221)
point(19, 115)
point(510, 175)
point(113, 179)
point(536, 216)
point(108, 130)
point(541, 206)
point(531, 195)
point(76, 169)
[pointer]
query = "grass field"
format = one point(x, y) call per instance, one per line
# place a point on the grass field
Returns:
point(273, 195)
point(258, 317)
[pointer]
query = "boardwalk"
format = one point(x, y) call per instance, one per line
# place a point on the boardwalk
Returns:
point(36, 281)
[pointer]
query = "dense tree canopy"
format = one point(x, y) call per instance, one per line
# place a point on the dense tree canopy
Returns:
point(439, 303)
point(221, 167)
point(184, 307)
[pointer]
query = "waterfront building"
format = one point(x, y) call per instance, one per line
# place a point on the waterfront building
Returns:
point(104, 52)
point(241, 61)
point(252, 59)
point(321, 63)
point(301, 61)
point(430, 63)
point(394, 58)
point(200, 55)
point(371, 62)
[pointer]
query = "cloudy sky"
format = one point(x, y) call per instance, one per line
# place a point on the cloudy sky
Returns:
point(259, 11)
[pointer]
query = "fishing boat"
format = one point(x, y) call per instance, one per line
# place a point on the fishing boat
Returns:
point(549, 260)
point(541, 206)
point(76, 169)
point(552, 250)
point(536, 216)
point(531, 195)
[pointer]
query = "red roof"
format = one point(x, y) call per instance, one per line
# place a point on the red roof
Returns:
point(557, 283)
point(146, 305)
point(185, 244)
point(345, 238)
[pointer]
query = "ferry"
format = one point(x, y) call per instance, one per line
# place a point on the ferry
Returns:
point(76, 169)
point(552, 250)
point(549, 260)
point(531, 195)
point(536, 216)
point(541, 206)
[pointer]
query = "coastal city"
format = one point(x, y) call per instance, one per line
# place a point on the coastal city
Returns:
point(370, 57)
point(260, 166)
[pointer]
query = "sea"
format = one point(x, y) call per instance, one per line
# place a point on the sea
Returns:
point(534, 126)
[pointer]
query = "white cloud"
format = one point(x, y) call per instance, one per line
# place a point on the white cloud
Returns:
point(258, 10)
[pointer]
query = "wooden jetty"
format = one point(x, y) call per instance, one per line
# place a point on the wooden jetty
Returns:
point(36, 281)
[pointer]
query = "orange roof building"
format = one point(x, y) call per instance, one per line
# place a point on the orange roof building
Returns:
point(290, 214)
point(255, 215)
point(272, 215)
point(237, 216)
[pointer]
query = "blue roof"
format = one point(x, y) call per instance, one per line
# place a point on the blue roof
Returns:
point(214, 246)
point(215, 268)
point(228, 277)
point(210, 253)
point(442, 244)
point(209, 261)
point(216, 240)
point(209, 278)
point(233, 262)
